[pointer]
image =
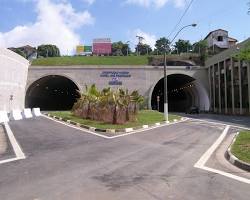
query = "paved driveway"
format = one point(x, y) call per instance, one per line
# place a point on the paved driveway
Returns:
point(64, 163)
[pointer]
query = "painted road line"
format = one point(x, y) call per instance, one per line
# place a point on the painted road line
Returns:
point(145, 129)
point(17, 149)
point(220, 123)
point(115, 136)
point(205, 157)
point(77, 128)
point(232, 176)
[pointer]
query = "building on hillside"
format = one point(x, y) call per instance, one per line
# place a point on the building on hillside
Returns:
point(30, 53)
point(102, 46)
point(229, 82)
point(218, 40)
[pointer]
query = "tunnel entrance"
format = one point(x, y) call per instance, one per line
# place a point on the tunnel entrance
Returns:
point(181, 93)
point(52, 93)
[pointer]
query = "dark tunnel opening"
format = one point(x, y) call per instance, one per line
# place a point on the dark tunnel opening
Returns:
point(179, 94)
point(52, 93)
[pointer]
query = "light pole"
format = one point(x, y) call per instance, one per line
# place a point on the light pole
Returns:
point(165, 72)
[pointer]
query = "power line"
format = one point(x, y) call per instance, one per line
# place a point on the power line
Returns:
point(183, 15)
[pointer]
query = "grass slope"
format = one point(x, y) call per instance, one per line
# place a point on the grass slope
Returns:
point(91, 60)
point(144, 117)
point(241, 147)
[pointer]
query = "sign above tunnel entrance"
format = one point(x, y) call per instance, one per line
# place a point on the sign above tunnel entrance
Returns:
point(115, 76)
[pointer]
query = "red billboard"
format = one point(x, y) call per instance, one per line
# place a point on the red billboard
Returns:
point(102, 46)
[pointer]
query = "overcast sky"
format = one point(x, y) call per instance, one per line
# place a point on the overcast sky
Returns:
point(68, 23)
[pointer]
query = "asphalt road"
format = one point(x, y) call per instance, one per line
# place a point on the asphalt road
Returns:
point(63, 163)
point(234, 120)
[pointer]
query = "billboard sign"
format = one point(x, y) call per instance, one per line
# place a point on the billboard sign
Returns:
point(79, 50)
point(88, 49)
point(83, 50)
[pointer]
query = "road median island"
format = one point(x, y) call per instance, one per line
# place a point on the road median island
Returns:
point(146, 118)
point(238, 153)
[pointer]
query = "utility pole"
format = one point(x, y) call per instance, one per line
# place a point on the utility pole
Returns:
point(140, 39)
point(127, 47)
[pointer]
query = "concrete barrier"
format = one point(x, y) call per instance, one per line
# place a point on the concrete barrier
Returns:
point(4, 116)
point(16, 115)
point(36, 112)
point(27, 113)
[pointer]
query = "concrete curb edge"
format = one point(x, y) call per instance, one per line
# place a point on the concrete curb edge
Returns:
point(234, 160)
point(125, 130)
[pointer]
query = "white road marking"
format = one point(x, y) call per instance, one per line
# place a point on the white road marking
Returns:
point(115, 136)
point(78, 128)
point(17, 149)
point(238, 178)
point(205, 157)
point(146, 129)
point(219, 123)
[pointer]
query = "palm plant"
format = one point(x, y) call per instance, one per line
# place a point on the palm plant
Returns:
point(137, 99)
point(117, 103)
point(91, 97)
point(107, 105)
point(126, 100)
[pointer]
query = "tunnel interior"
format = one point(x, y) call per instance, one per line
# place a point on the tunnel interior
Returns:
point(180, 93)
point(52, 93)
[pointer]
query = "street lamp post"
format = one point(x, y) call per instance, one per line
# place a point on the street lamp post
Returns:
point(165, 72)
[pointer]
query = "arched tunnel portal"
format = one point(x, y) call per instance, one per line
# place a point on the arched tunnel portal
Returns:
point(183, 92)
point(52, 92)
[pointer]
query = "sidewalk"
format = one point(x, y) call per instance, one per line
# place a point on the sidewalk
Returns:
point(3, 141)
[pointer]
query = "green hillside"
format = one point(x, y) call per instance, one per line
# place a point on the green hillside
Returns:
point(91, 60)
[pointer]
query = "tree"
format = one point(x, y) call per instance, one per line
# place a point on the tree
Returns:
point(143, 49)
point(120, 49)
point(244, 53)
point(126, 100)
point(249, 7)
point(182, 46)
point(48, 50)
point(161, 44)
point(201, 48)
point(137, 99)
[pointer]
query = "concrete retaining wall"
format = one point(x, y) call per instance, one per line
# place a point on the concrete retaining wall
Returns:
point(141, 78)
point(13, 78)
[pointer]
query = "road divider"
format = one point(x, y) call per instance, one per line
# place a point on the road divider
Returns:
point(113, 133)
point(4, 116)
point(16, 115)
point(36, 112)
point(27, 113)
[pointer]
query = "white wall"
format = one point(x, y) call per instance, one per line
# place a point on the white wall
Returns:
point(13, 78)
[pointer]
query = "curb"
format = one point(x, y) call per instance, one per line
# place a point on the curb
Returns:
point(125, 130)
point(234, 160)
